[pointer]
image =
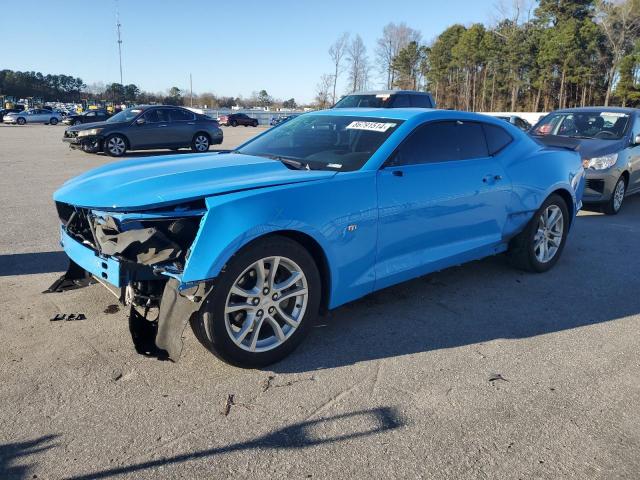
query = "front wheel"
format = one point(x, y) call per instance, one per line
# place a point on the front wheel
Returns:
point(262, 305)
point(234, 124)
point(115, 145)
point(539, 246)
point(613, 206)
point(53, 121)
point(200, 143)
point(21, 121)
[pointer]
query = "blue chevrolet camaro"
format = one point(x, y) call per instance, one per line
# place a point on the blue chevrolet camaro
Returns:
point(248, 246)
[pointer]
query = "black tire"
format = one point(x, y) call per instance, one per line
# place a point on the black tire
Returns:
point(255, 124)
point(612, 207)
point(115, 145)
point(76, 122)
point(209, 324)
point(522, 251)
point(234, 123)
point(200, 143)
point(21, 121)
point(53, 121)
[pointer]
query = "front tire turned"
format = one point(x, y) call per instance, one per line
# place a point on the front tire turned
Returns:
point(613, 206)
point(263, 304)
point(539, 246)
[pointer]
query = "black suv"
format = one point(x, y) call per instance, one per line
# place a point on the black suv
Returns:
point(91, 116)
point(387, 99)
point(145, 128)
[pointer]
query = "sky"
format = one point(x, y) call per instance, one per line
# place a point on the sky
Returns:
point(231, 48)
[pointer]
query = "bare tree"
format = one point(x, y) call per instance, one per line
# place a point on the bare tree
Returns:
point(337, 51)
point(394, 39)
point(358, 64)
point(620, 23)
point(323, 90)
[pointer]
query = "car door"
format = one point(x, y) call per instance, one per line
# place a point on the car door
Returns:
point(182, 126)
point(89, 117)
point(151, 131)
point(442, 201)
point(634, 156)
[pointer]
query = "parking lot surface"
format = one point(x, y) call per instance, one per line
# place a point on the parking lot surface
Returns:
point(479, 371)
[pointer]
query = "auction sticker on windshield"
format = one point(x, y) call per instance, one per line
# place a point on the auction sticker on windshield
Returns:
point(371, 126)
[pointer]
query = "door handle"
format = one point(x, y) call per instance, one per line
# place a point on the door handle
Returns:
point(491, 178)
point(161, 126)
point(191, 123)
point(397, 173)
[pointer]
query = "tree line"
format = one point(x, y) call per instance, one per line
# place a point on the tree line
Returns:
point(537, 56)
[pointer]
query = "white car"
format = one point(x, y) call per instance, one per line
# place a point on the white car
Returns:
point(35, 115)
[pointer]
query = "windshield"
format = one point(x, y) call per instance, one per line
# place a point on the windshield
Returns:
point(321, 142)
point(602, 125)
point(365, 101)
point(126, 115)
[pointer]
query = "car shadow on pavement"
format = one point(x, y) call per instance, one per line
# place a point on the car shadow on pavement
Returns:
point(14, 455)
point(300, 435)
point(486, 300)
point(30, 263)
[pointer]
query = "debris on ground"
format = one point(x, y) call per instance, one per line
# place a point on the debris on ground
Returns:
point(113, 308)
point(497, 376)
point(267, 382)
point(68, 317)
point(228, 404)
point(116, 374)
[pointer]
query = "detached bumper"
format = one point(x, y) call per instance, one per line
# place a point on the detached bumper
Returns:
point(82, 142)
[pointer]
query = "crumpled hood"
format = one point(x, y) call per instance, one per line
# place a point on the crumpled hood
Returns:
point(590, 148)
point(157, 181)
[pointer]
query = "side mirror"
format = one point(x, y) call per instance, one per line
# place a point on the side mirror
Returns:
point(141, 121)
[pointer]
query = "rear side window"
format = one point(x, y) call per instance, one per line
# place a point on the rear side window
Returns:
point(443, 142)
point(420, 101)
point(497, 138)
point(180, 115)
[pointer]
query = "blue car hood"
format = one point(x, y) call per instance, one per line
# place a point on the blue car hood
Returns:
point(158, 181)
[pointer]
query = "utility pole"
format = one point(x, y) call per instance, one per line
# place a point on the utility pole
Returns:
point(191, 87)
point(118, 25)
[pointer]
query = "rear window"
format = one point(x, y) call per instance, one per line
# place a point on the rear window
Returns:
point(420, 101)
point(365, 101)
point(497, 138)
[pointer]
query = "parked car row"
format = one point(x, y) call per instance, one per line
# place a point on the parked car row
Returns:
point(34, 115)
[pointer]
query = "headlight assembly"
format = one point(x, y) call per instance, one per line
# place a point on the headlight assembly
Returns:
point(89, 133)
point(600, 163)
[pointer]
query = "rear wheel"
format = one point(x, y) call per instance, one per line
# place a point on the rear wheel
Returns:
point(234, 123)
point(53, 121)
point(200, 143)
point(115, 145)
point(539, 246)
point(263, 304)
point(21, 121)
point(613, 206)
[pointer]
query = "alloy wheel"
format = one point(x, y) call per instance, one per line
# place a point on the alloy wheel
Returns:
point(548, 237)
point(618, 195)
point(266, 304)
point(201, 143)
point(116, 146)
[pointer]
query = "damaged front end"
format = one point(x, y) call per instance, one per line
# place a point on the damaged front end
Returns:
point(140, 257)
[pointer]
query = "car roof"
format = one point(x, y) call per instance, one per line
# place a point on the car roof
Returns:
point(389, 92)
point(597, 109)
point(406, 114)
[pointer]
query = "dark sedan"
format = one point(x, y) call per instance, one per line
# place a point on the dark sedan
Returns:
point(91, 116)
point(236, 119)
point(146, 128)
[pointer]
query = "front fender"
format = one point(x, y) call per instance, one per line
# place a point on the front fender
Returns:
point(341, 219)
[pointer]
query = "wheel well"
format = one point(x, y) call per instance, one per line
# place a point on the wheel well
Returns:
point(203, 133)
point(625, 175)
point(568, 199)
point(316, 251)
